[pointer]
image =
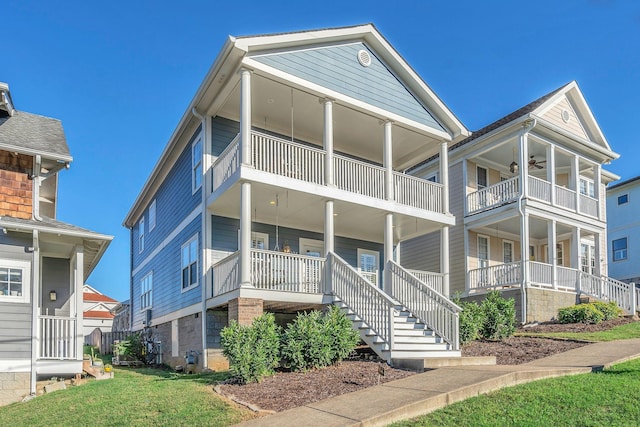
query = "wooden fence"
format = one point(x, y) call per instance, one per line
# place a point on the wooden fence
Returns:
point(104, 340)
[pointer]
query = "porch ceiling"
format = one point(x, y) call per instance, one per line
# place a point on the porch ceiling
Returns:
point(305, 211)
point(275, 105)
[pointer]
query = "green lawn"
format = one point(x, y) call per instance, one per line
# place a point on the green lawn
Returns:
point(622, 332)
point(608, 398)
point(134, 397)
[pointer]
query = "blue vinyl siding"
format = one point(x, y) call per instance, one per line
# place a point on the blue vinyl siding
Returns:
point(337, 68)
point(167, 287)
point(225, 238)
point(223, 132)
point(174, 201)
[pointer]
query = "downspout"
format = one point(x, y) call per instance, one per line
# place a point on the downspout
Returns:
point(35, 326)
point(528, 125)
point(37, 167)
point(205, 248)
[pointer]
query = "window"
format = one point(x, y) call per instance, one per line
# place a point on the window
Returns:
point(619, 249)
point(482, 177)
point(532, 253)
point(507, 251)
point(196, 165)
point(587, 258)
point(152, 215)
point(190, 263)
point(14, 281)
point(146, 291)
point(559, 254)
point(141, 235)
point(623, 199)
point(587, 188)
point(368, 264)
point(259, 240)
point(483, 252)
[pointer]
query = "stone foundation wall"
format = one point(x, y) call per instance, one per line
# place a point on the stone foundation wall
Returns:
point(14, 386)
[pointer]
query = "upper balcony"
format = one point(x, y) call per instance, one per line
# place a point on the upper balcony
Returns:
point(301, 163)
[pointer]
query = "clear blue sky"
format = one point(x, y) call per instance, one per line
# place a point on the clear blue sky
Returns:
point(119, 74)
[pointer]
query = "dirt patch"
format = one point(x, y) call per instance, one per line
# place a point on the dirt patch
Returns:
point(519, 350)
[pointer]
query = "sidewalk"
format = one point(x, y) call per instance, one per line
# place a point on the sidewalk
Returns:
point(431, 390)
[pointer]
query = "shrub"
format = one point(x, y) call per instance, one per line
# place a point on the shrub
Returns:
point(499, 317)
point(581, 313)
point(132, 347)
point(341, 334)
point(253, 351)
point(471, 319)
point(609, 310)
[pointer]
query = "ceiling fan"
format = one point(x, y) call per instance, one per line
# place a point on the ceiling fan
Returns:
point(533, 163)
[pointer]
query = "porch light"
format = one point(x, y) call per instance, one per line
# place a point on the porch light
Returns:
point(513, 167)
point(53, 296)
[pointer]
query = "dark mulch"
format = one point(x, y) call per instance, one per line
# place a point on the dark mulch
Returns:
point(290, 389)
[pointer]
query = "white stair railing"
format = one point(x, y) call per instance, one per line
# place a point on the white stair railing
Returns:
point(432, 280)
point(373, 306)
point(58, 338)
point(226, 274)
point(430, 307)
point(608, 289)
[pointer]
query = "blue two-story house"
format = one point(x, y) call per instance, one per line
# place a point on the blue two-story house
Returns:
point(283, 189)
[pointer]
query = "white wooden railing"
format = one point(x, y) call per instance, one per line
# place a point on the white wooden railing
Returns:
point(432, 280)
point(588, 205)
point(358, 177)
point(495, 276)
point(371, 276)
point(494, 195)
point(637, 300)
point(539, 189)
point(567, 279)
point(419, 193)
point(286, 272)
point(432, 308)
point(371, 304)
point(58, 338)
point(608, 289)
point(287, 158)
point(227, 163)
point(540, 274)
point(226, 274)
point(565, 198)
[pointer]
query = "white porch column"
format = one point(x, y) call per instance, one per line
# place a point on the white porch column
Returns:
point(524, 249)
point(552, 254)
point(575, 253)
point(597, 181)
point(597, 254)
point(78, 277)
point(327, 141)
point(444, 260)
point(245, 116)
point(444, 175)
point(551, 171)
point(388, 250)
point(575, 173)
point(523, 151)
point(36, 332)
point(388, 160)
point(465, 234)
point(245, 234)
point(329, 239)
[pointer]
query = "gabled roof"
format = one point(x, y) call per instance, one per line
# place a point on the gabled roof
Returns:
point(33, 134)
point(91, 297)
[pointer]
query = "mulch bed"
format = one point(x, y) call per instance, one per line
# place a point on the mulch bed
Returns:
point(287, 390)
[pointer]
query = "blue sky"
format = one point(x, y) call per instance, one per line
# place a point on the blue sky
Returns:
point(120, 74)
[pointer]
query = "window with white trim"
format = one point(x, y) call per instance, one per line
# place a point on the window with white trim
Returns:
point(196, 165)
point(368, 265)
point(507, 251)
point(483, 251)
point(586, 187)
point(14, 281)
point(559, 254)
point(152, 215)
point(190, 263)
point(146, 291)
point(141, 235)
point(619, 247)
point(482, 177)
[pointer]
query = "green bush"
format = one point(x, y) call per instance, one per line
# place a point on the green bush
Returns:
point(132, 347)
point(471, 319)
point(499, 317)
point(314, 340)
point(253, 351)
point(594, 312)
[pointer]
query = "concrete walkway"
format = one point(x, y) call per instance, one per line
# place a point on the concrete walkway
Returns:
point(431, 390)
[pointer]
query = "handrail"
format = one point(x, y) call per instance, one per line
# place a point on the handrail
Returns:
point(372, 305)
point(429, 306)
point(607, 288)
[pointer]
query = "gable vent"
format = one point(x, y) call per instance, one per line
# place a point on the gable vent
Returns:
point(566, 116)
point(364, 58)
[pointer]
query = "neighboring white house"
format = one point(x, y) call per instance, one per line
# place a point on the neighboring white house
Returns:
point(623, 228)
point(528, 192)
point(97, 310)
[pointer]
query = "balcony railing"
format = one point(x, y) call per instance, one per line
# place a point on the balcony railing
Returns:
point(566, 279)
point(509, 190)
point(58, 338)
point(305, 163)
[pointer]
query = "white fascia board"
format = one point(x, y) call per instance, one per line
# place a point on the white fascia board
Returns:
point(32, 152)
point(610, 176)
point(57, 231)
point(322, 92)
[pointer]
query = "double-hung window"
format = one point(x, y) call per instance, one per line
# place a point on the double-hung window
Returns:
point(190, 263)
point(619, 249)
point(146, 291)
point(14, 281)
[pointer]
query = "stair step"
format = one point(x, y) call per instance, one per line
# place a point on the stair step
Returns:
point(413, 332)
point(420, 347)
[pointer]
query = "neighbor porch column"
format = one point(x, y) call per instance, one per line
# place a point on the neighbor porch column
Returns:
point(329, 240)
point(388, 251)
point(551, 171)
point(245, 116)
point(552, 253)
point(575, 173)
point(388, 161)
point(245, 234)
point(327, 141)
point(524, 248)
